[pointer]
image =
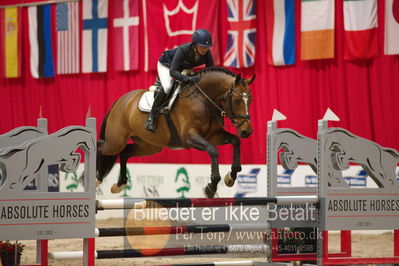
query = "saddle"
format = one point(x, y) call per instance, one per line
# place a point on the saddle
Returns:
point(147, 99)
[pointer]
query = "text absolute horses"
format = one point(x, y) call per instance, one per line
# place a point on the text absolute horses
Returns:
point(197, 116)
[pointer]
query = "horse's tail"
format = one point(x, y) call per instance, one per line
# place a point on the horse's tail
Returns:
point(104, 125)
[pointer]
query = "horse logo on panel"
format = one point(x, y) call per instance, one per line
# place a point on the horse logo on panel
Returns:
point(296, 148)
point(345, 148)
point(19, 165)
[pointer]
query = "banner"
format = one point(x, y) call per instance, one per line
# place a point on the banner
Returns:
point(126, 34)
point(95, 36)
point(40, 39)
point(280, 23)
point(360, 24)
point(317, 29)
point(241, 32)
point(169, 23)
point(68, 40)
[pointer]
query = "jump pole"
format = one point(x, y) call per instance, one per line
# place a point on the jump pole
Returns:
point(131, 203)
point(170, 230)
point(179, 251)
point(219, 263)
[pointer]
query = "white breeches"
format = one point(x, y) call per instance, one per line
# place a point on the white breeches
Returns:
point(164, 77)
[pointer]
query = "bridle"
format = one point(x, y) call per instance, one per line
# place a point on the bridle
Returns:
point(233, 116)
point(229, 98)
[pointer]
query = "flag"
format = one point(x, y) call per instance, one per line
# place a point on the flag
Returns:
point(126, 35)
point(317, 29)
point(169, 23)
point(95, 32)
point(280, 25)
point(10, 42)
point(240, 51)
point(2, 43)
point(68, 44)
point(360, 25)
point(392, 27)
point(40, 39)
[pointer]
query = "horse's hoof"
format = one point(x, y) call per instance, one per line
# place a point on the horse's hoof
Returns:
point(98, 182)
point(117, 189)
point(228, 180)
point(209, 192)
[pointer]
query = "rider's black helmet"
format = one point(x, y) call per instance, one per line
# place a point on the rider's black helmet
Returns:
point(202, 37)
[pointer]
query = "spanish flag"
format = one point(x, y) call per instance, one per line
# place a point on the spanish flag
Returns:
point(11, 42)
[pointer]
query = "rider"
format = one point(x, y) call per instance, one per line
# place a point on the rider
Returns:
point(172, 62)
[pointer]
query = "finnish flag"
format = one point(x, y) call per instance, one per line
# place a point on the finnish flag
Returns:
point(95, 31)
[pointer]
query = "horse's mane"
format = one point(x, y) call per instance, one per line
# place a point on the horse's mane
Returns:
point(216, 68)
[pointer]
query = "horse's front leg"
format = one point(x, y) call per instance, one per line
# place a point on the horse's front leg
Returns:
point(231, 176)
point(198, 142)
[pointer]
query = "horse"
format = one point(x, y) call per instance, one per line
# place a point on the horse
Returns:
point(197, 119)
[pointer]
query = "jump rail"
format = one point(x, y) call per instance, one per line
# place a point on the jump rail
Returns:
point(169, 230)
point(221, 263)
point(179, 251)
point(131, 203)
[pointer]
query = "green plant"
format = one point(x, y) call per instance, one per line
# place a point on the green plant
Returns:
point(9, 248)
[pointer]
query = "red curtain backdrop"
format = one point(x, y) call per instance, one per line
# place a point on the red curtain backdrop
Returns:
point(363, 93)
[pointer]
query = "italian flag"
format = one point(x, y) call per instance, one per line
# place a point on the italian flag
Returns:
point(360, 24)
point(317, 29)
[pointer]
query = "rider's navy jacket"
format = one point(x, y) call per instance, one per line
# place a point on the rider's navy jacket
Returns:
point(183, 57)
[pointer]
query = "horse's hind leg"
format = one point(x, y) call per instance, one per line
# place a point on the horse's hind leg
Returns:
point(198, 142)
point(135, 149)
point(104, 163)
point(231, 176)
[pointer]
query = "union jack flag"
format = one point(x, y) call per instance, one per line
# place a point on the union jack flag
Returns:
point(240, 50)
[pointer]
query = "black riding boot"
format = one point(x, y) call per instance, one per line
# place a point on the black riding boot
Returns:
point(150, 124)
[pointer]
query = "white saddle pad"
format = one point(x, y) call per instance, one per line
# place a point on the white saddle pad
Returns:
point(147, 99)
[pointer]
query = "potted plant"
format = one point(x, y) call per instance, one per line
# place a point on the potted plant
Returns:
point(7, 253)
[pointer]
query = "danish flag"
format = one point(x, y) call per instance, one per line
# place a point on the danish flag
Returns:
point(240, 50)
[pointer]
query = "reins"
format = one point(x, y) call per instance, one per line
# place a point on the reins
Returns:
point(229, 97)
point(222, 112)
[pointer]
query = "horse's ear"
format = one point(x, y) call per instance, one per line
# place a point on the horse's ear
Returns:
point(250, 80)
point(238, 78)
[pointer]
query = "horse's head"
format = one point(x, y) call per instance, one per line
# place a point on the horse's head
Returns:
point(237, 103)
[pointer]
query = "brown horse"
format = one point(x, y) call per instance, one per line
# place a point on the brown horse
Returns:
point(197, 116)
